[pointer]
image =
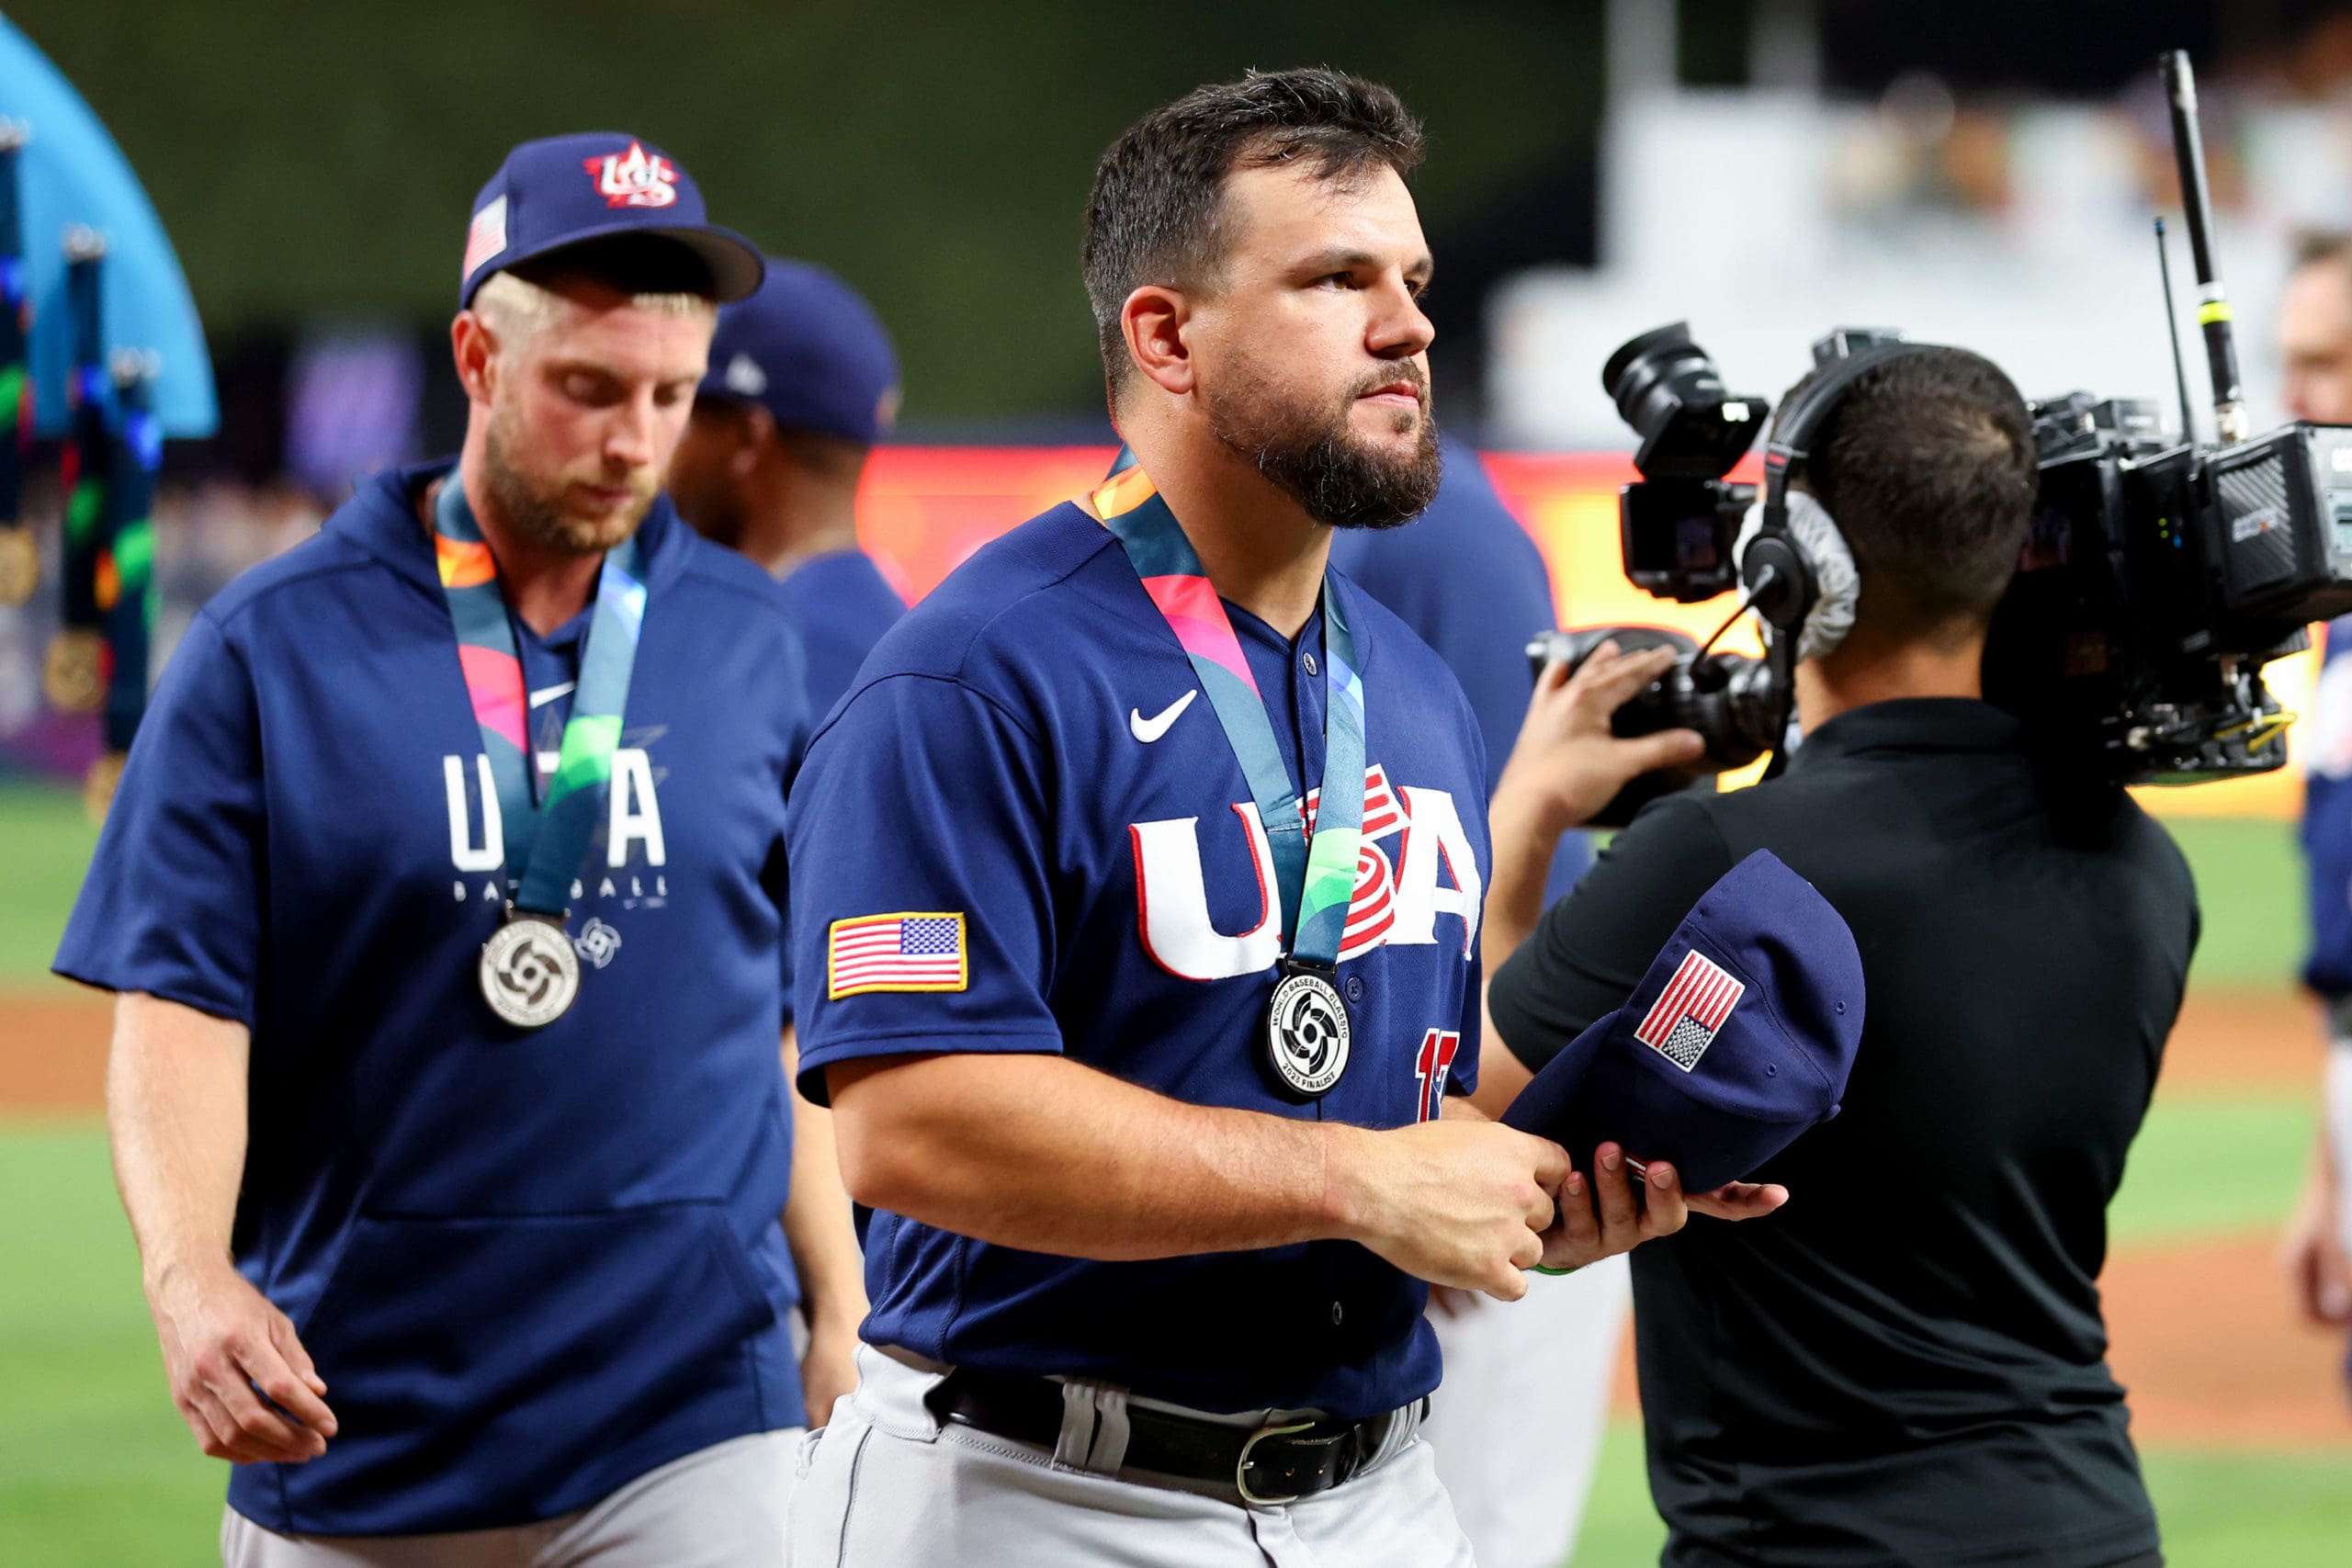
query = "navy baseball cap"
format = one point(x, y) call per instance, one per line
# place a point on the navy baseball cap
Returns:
point(601, 185)
point(807, 347)
point(1739, 1037)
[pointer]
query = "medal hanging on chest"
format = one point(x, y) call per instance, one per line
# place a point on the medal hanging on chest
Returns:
point(529, 972)
point(1306, 1034)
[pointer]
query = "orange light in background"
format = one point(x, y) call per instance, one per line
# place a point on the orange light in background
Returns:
point(923, 510)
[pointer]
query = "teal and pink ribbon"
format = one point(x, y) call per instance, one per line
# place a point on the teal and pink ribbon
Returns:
point(548, 839)
point(1315, 874)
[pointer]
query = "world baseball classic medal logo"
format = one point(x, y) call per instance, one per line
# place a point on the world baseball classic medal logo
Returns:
point(529, 973)
point(634, 178)
point(1307, 1034)
point(597, 941)
point(1691, 1011)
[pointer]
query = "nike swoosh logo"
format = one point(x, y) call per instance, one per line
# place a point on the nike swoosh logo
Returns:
point(1150, 730)
point(547, 695)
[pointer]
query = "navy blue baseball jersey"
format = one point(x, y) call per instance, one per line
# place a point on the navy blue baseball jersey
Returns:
point(1024, 831)
point(530, 1265)
point(842, 605)
point(1467, 578)
point(2326, 740)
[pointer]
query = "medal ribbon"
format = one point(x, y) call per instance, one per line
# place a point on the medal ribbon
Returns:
point(1316, 877)
point(548, 839)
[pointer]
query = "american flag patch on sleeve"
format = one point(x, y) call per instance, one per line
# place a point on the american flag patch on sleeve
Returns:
point(905, 951)
point(1688, 1014)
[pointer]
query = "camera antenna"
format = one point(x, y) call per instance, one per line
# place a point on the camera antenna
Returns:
point(2197, 205)
point(2172, 325)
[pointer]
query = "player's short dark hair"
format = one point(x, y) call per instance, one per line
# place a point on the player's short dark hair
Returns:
point(1927, 464)
point(1153, 214)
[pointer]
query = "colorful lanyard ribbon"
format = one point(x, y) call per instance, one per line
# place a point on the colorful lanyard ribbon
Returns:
point(548, 839)
point(1318, 878)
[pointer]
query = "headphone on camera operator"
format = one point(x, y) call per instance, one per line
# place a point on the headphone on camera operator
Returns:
point(1794, 567)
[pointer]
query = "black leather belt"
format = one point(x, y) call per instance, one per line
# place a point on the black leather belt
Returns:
point(1271, 1464)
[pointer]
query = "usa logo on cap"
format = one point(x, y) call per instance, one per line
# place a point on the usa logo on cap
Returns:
point(634, 178)
point(1691, 1011)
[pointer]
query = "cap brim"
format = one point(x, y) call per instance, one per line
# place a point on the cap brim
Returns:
point(736, 265)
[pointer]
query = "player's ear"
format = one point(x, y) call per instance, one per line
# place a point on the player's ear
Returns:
point(1153, 322)
point(475, 350)
point(757, 435)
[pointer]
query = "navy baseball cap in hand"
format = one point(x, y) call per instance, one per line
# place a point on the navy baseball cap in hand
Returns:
point(601, 185)
point(807, 348)
point(1739, 1037)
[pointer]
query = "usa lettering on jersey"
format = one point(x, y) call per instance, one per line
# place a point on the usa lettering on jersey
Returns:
point(632, 817)
point(1414, 863)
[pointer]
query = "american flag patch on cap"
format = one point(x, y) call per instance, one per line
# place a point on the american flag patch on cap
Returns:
point(896, 953)
point(1684, 1020)
point(486, 237)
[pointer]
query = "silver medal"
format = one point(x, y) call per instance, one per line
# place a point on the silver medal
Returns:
point(529, 973)
point(1307, 1033)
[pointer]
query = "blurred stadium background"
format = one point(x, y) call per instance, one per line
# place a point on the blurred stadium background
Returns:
point(1980, 175)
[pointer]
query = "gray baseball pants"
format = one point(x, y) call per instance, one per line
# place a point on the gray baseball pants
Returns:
point(722, 1506)
point(886, 1485)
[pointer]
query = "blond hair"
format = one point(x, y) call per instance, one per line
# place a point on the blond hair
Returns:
point(517, 310)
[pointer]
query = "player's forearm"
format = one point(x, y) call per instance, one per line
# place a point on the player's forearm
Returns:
point(1502, 1075)
point(1526, 835)
point(815, 1213)
point(1040, 1153)
point(176, 1114)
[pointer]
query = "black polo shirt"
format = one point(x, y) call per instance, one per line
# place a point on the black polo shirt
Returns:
point(1906, 1364)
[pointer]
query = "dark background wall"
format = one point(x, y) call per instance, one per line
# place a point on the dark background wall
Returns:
point(314, 159)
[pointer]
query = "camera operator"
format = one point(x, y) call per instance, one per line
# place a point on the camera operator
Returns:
point(2315, 346)
point(1908, 1365)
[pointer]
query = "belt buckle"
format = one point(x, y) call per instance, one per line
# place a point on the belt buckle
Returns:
point(1241, 1466)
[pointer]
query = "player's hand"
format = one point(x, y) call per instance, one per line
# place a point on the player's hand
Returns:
point(1454, 1202)
point(1738, 1199)
point(2312, 1254)
point(1447, 1302)
point(226, 1348)
point(1567, 763)
point(828, 1368)
point(1600, 1218)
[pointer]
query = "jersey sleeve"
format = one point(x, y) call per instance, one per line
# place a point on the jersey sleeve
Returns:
point(1590, 949)
point(923, 907)
point(172, 904)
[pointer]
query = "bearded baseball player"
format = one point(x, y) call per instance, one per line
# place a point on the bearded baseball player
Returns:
point(444, 897)
point(1138, 883)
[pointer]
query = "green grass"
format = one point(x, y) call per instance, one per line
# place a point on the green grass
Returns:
point(2250, 884)
point(2215, 1166)
point(94, 1466)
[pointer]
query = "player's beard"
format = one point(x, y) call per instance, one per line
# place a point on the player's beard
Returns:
point(533, 504)
point(1314, 455)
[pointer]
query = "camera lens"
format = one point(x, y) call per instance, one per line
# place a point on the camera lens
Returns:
point(1667, 390)
point(1654, 374)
